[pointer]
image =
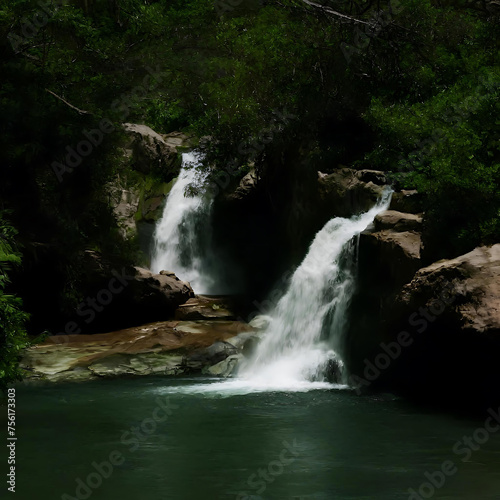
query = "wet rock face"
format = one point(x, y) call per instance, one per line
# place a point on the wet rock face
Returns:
point(346, 191)
point(210, 356)
point(389, 256)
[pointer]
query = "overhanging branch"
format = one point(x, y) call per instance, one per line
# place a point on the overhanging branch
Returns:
point(81, 111)
point(332, 12)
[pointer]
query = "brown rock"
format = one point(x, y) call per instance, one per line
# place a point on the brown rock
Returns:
point(155, 348)
point(407, 200)
point(473, 282)
point(451, 313)
point(343, 193)
point(166, 289)
point(151, 151)
point(375, 176)
point(204, 308)
point(396, 255)
point(246, 187)
point(398, 221)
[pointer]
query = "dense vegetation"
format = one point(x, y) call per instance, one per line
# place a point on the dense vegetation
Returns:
point(12, 317)
point(408, 86)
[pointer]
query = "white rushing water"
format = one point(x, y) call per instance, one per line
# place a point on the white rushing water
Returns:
point(303, 341)
point(182, 238)
point(301, 348)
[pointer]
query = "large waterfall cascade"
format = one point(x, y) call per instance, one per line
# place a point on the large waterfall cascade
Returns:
point(182, 238)
point(303, 341)
point(302, 345)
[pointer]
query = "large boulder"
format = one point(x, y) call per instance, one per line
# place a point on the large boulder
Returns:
point(150, 151)
point(473, 282)
point(389, 250)
point(389, 256)
point(407, 200)
point(160, 293)
point(116, 297)
point(224, 368)
point(375, 176)
point(347, 191)
point(451, 312)
point(398, 221)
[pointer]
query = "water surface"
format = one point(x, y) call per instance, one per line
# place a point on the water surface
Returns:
point(218, 437)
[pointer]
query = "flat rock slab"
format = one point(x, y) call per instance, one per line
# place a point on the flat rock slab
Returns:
point(204, 308)
point(155, 348)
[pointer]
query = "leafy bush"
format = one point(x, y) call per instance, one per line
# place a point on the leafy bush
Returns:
point(13, 338)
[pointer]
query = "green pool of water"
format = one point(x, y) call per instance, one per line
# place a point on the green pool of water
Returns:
point(190, 439)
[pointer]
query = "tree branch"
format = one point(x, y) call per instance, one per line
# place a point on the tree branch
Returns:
point(81, 111)
point(328, 10)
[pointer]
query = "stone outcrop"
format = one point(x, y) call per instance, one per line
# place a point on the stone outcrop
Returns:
point(390, 249)
point(160, 293)
point(389, 256)
point(204, 308)
point(472, 282)
point(137, 207)
point(124, 297)
point(246, 187)
point(398, 221)
point(375, 176)
point(150, 151)
point(164, 348)
point(407, 200)
point(347, 191)
point(449, 314)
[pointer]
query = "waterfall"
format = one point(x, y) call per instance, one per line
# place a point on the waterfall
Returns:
point(303, 341)
point(182, 238)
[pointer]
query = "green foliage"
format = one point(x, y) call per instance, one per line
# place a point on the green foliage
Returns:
point(13, 338)
point(420, 84)
point(446, 145)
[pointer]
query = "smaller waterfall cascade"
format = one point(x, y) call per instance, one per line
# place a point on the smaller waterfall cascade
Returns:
point(303, 341)
point(182, 238)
